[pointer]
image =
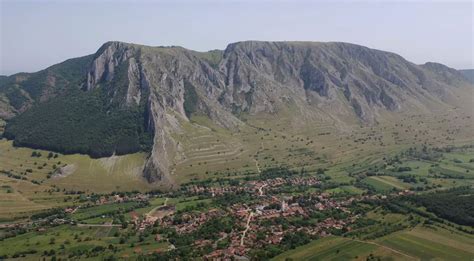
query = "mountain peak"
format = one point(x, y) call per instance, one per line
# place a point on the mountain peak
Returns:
point(434, 66)
point(117, 44)
point(113, 45)
point(444, 73)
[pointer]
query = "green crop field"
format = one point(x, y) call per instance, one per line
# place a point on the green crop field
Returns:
point(386, 183)
point(428, 244)
point(417, 244)
point(378, 184)
point(346, 189)
point(338, 248)
point(83, 214)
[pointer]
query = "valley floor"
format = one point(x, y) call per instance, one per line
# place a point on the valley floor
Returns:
point(367, 193)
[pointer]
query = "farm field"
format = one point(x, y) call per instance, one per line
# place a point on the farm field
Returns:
point(346, 189)
point(431, 243)
point(386, 183)
point(75, 239)
point(338, 248)
point(420, 243)
point(88, 213)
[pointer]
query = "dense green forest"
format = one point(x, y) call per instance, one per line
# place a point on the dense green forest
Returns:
point(81, 122)
point(54, 80)
point(455, 205)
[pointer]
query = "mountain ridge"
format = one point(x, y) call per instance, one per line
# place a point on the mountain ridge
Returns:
point(342, 82)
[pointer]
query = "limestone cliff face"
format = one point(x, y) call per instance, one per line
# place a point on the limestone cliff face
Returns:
point(336, 80)
point(172, 82)
point(260, 75)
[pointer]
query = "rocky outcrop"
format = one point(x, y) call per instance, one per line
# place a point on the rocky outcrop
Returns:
point(106, 61)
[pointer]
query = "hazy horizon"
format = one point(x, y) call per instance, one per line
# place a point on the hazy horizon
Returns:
point(38, 34)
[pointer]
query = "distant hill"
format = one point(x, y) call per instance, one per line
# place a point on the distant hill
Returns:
point(127, 97)
point(468, 74)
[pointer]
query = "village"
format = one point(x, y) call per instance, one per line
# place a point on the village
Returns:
point(261, 221)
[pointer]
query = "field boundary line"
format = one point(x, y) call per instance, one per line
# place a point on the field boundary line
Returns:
point(386, 247)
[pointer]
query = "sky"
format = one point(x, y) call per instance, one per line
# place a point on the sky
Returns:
point(37, 34)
